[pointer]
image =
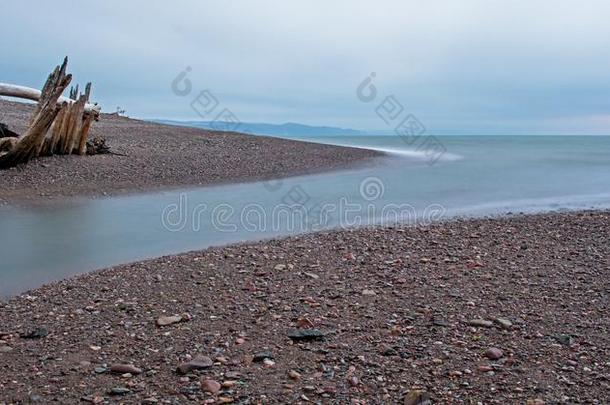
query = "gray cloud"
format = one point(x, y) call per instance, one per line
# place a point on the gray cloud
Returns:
point(462, 65)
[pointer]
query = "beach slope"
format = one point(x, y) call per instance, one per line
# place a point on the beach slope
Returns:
point(161, 157)
point(495, 311)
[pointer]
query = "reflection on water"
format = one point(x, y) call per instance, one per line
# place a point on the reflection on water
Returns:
point(483, 175)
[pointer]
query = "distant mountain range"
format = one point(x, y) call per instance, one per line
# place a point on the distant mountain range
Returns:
point(287, 129)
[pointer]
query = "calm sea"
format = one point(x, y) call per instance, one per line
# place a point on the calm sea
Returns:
point(473, 176)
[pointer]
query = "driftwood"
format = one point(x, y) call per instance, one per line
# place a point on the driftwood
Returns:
point(5, 132)
point(12, 90)
point(98, 146)
point(7, 144)
point(59, 125)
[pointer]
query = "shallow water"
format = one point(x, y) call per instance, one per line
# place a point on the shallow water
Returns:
point(475, 176)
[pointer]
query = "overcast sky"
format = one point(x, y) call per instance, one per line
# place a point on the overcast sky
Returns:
point(464, 66)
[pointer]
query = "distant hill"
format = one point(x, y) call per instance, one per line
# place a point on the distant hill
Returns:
point(287, 129)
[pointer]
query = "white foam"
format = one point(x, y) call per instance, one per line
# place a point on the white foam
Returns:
point(417, 154)
point(410, 153)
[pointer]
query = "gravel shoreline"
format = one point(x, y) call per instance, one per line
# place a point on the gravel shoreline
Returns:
point(494, 311)
point(160, 157)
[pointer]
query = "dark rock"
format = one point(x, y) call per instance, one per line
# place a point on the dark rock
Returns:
point(119, 391)
point(439, 322)
point(35, 334)
point(259, 357)
point(565, 340)
point(197, 363)
point(303, 335)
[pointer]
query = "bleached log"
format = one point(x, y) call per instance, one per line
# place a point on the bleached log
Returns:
point(81, 147)
point(12, 90)
point(76, 121)
point(84, 132)
point(59, 125)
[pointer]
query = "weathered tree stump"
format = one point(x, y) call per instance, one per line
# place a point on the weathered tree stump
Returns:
point(67, 121)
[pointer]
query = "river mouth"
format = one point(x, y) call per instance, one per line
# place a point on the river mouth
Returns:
point(482, 176)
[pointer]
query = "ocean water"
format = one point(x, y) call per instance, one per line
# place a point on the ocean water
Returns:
point(495, 174)
point(473, 176)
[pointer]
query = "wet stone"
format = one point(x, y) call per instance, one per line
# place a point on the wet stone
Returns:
point(37, 333)
point(261, 356)
point(198, 363)
point(119, 391)
point(565, 340)
point(303, 335)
